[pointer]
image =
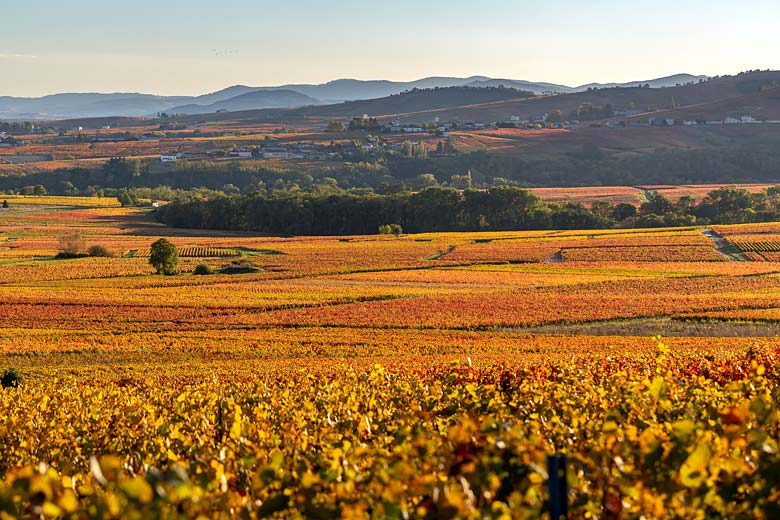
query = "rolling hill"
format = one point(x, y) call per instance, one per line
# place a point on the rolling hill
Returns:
point(81, 105)
point(744, 94)
point(415, 100)
point(251, 100)
point(714, 91)
point(85, 105)
point(763, 105)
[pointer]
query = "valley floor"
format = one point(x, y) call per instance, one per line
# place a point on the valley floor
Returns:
point(420, 375)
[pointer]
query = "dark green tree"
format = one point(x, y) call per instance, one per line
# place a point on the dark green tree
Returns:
point(164, 257)
point(127, 198)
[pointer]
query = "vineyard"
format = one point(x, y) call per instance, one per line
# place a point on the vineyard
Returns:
point(420, 376)
point(758, 246)
point(193, 252)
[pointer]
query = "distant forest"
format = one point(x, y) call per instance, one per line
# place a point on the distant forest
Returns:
point(446, 209)
point(398, 173)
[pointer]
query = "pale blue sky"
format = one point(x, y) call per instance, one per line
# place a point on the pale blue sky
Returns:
point(197, 46)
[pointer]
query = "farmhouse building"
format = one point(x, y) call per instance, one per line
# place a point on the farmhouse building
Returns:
point(241, 153)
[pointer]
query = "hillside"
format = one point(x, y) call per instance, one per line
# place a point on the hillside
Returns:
point(250, 101)
point(59, 106)
point(501, 104)
point(716, 90)
point(415, 100)
point(764, 105)
point(668, 81)
point(81, 105)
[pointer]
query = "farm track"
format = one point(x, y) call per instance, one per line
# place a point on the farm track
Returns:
point(667, 327)
point(721, 245)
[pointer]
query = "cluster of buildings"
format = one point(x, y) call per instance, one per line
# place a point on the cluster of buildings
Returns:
point(668, 122)
point(352, 150)
point(299, 151)
point(7, 141)
point(395, 127)
point(518, 122)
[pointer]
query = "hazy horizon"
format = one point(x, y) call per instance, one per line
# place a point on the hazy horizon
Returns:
point(396, 80)
point(191, 48)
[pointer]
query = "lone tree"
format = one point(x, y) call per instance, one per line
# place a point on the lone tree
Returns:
point(5, 204)
point(164, 257)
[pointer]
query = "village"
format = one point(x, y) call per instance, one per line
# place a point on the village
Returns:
point(303, 151)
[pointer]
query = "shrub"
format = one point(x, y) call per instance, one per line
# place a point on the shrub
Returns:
point(391, 229)
point(69, 256)
point(202, 269)
point(10, 379)
point(100, 251)
point(241, 267)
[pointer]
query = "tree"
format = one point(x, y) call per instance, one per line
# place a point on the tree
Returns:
point(164, 257)
point(623, 211)
point(391, 229)
point(449, 146)
point(70, 245)
point(127, 198)
point(5, 204)
point(336, 127)
point(656, 205)
point(424, 180)
point(556, 116)
point(461, 182)
point(420, 151)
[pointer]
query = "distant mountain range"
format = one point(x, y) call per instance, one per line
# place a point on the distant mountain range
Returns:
point(241, 97)
point(250, 101)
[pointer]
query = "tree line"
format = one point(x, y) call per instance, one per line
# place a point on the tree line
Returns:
point(504, 208)
point(756, 162)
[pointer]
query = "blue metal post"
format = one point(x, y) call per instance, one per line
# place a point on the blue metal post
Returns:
point(558, 487)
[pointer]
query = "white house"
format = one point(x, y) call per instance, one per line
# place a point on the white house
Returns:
point(169, 157)
point(275, 152)
point(241, 153)
point(731, 121)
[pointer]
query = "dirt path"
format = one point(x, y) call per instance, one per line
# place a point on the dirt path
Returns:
point(721, 245)
point(442, 254)
point(557, 258)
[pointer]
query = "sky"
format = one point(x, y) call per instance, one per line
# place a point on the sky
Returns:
point(178, 47)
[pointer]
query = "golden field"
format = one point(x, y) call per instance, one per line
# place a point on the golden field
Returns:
point(425, 376)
